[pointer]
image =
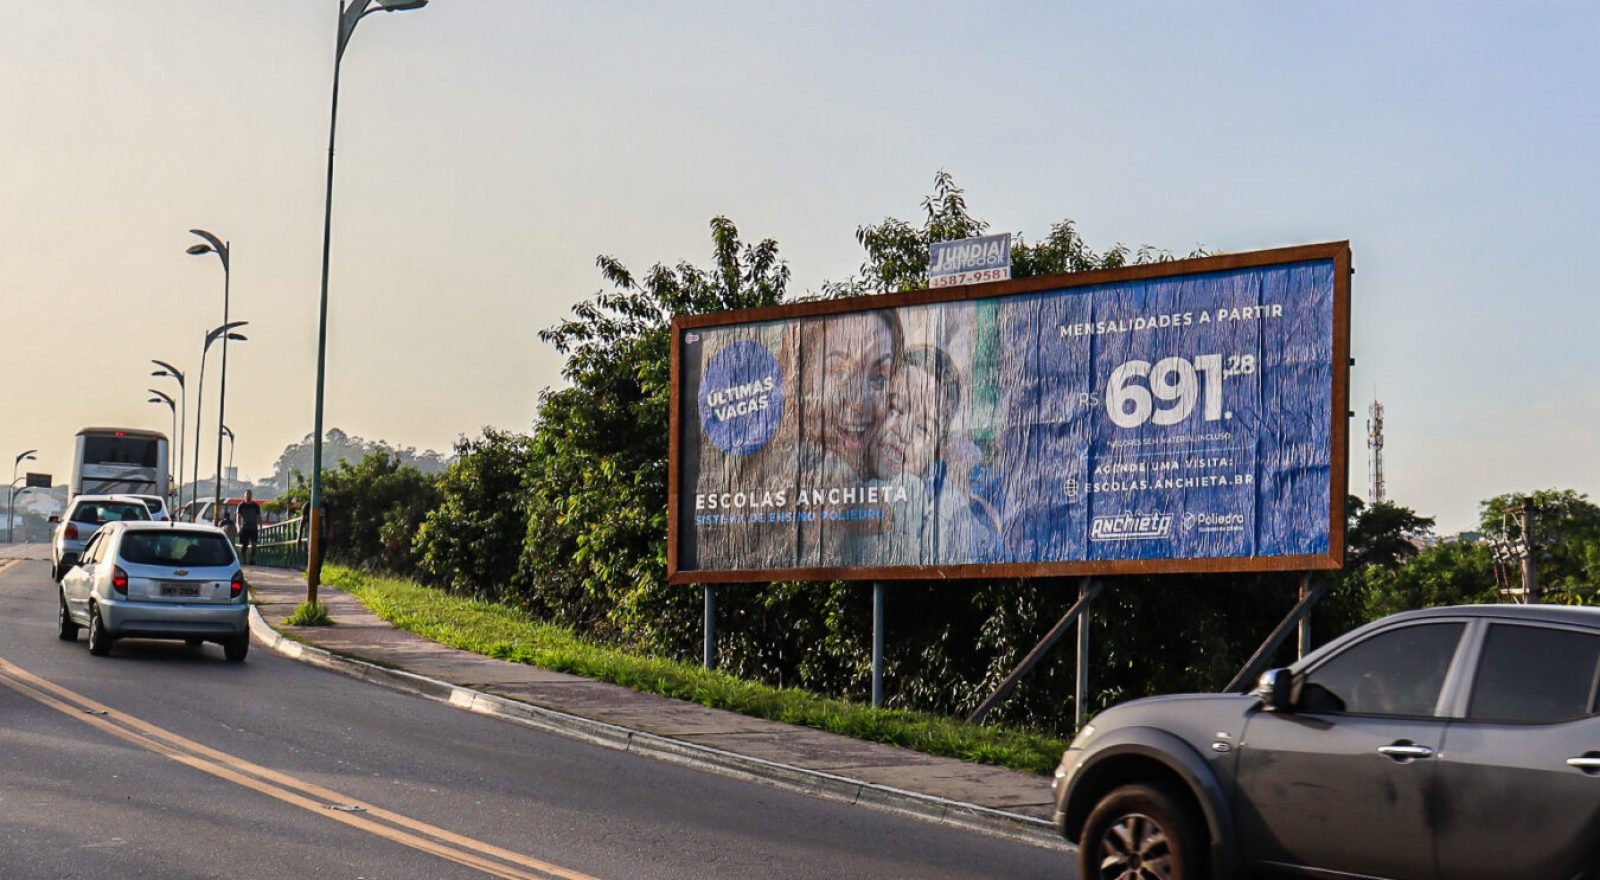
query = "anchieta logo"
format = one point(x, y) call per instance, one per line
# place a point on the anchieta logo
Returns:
point(1131, 527)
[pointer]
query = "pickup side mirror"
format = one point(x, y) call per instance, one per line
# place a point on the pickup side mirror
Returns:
point(54, 518)
point(1276, 690)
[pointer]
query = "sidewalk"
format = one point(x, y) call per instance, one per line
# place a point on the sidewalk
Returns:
point(989, 799)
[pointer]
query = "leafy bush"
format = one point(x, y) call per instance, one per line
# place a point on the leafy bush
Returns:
point(374, 508)
point(471, 542)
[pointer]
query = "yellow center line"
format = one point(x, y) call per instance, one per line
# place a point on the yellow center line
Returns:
point(466, 851)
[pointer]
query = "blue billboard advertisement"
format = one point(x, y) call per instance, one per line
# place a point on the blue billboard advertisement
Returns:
point(1153, 420)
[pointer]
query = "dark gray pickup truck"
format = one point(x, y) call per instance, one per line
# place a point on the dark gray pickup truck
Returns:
point(1448, 744)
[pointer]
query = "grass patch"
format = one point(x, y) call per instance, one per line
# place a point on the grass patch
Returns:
point(506, 633)
point(309, 614)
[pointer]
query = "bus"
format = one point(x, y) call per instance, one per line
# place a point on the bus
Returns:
point(120, 461)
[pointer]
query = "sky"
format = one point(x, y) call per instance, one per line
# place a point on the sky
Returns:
point(488, 151)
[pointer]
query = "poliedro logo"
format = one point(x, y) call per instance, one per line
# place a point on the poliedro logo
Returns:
point(1131, 527)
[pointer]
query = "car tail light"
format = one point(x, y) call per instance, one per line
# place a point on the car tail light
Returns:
point(72, 532)
point(119, 581)
point(238, 584)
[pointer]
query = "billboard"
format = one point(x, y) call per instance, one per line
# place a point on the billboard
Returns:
point(1183, 416)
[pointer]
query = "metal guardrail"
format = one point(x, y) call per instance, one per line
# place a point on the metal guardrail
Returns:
point(282, 545)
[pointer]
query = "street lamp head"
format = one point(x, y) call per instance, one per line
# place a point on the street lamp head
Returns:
point(227, 432)
point(168, 370)
point(238, 337)
point(216, 333)
point(359, 9)
point(211, 244)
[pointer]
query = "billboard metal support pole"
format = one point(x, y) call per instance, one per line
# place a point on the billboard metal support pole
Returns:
point(709, 653)
point(1252, 668)
point(877, 644)
point(1085, 596)
point(1304, 646)
point(1080, 693)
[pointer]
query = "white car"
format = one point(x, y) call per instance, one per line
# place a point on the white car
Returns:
point(157, 581)
point(84, 516)
point(157, 505)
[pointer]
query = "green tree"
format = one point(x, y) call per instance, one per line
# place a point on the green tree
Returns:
point(897, 250)
point(1383, 533)
point(1566, 538)
point(1379, 539)
point(596, 540)
point(471, 541)
point(375, 507)
point(294, 463)
point(1448, 573)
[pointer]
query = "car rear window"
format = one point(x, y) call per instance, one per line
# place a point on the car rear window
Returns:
point(141, 451)
point(193, 549)
point(100, 512)
point(154, 504)
point(1534, 675)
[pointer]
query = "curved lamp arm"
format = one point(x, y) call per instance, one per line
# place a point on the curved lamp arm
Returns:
point(215, 244)
point(359, 9)
point(169, 369)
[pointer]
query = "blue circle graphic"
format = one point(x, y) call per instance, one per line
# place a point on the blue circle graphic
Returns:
point(741, 397)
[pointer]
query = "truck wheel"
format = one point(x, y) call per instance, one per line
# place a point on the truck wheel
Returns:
point(1140, 832)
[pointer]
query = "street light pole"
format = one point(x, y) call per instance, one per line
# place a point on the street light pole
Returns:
point(11, 494)
point(228, 432)
point(200, 399)
point(183, 417)
point(162, 397)
point(223, 251)
point(350, 14)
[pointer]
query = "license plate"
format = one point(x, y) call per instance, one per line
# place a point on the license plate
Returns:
point(180, 590)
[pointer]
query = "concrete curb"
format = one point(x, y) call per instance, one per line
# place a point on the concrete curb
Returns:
point(987, 820)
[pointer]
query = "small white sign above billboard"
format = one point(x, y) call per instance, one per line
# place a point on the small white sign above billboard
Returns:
point(970, 260)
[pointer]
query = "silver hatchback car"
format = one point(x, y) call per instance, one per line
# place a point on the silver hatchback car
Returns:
point(160, 581)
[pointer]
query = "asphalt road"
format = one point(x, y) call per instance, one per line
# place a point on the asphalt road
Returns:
point(165, 761)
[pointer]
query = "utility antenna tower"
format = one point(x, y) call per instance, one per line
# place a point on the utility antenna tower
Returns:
point(1375, 487)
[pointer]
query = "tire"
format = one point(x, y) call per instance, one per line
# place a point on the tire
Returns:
point(66, 628)
point(1141, 832)
point(99, 640)
point(235, 648)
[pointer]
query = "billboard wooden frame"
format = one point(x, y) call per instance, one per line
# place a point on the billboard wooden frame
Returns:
point(1339, 426)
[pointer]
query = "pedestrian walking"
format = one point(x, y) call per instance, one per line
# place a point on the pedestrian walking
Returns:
point(249, 526)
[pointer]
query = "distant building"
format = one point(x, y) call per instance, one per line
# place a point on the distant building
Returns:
point(45, 504)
